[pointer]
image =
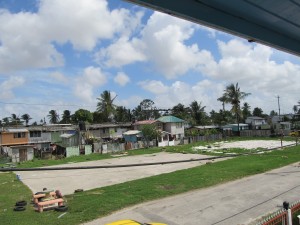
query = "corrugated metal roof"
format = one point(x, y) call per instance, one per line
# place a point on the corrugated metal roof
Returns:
point(143, 122)
point(16, 130)
point(255, 118)
point(132, 132)
point(66, 135)
point(207, 127)
point(170, 119)
point(108, 125)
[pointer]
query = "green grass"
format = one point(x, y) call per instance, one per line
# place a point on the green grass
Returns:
point(89, 205)
point(73, 159)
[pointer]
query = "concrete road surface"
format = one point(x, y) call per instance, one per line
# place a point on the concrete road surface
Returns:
point(69, 180)
point(238, 202)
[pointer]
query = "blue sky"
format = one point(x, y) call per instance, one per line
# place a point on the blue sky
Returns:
point(55, 54)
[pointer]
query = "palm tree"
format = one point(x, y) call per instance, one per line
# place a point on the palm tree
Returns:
point(15, 120)
point(197, 113)
point(180, 111)
point(122, 114)
point(53, 117)
point(26, 118)
point(246, 110)
point(223, 100)
point(106, 106)
point(234, 95)
point(66, 117)
point(5, 121)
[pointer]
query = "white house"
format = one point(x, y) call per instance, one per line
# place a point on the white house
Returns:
point(256, 122)
point(173, 125)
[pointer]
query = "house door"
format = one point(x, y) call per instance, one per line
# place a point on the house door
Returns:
point(22, 155)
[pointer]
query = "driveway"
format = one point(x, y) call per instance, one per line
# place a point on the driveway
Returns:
point(238, 202)
point(69, 180)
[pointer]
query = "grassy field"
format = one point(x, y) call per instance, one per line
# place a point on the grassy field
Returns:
point(89, 205)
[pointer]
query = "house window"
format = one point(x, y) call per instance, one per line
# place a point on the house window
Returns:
point(19, 135)
point(35, 134)
point(178, 125)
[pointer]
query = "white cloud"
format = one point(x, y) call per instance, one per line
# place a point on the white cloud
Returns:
point(165, 38)
point(154, 86)
point(122, 79)
point(59, 77)
point(27, 40)
point(162, 43)
point(130, 102)
point(204, 91)
point(6, 87)
point(91, 78)
point(252, 67)
point(121, 53)
point(82, 24)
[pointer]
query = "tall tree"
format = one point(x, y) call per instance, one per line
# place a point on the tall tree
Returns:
point(234, 95)
point(197, 113)
point(106, 106)
point(26, 118)
point(223, 100)
point(98, 117)
point(5, 121)
point(147, 110)
point(15, 120)
point(246, 110)
point(53, 117)
point(180, 111)
point(66, 117)
point(82, 115)
point(257, 112)
point(273, 113)
point(122, 114)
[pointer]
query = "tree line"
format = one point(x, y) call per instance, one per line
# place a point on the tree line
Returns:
point(194, 113)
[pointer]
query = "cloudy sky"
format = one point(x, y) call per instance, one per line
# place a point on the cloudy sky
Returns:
point(55, 54)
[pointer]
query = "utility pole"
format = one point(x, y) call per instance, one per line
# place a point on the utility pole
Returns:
point(279, 108)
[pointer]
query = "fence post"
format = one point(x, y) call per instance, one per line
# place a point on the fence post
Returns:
point(290, 217)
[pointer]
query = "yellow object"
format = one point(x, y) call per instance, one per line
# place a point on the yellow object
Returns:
point(295, 133)
point(132, 222)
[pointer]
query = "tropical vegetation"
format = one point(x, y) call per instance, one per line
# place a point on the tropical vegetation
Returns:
point(193, 113)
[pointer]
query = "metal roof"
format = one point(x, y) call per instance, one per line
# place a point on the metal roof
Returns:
point(273, 23)
point(207, 127)
point(66, 135)
point(255, 118)
point(132, 132)
point(143, 122)
point(170, 119)
point(16, 130)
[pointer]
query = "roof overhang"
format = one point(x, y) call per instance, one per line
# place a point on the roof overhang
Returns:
point(272, 23)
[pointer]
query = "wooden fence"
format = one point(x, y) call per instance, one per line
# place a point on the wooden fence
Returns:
point(109, 148)
point(255, 133)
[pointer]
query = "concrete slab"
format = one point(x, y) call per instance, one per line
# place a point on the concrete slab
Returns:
point(69, 180)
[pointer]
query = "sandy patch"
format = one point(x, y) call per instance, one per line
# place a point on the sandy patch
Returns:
point(251, 144)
